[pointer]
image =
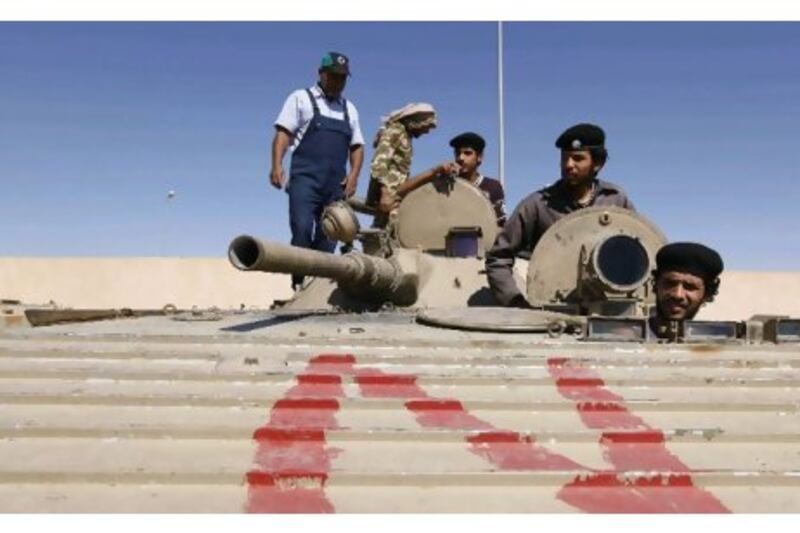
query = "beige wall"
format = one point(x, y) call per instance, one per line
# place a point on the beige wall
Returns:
point(152, 282)
point(743, 294)
point(138, 282)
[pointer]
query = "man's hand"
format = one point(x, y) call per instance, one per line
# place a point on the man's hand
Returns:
point(448, 169)
point(387, 202)
point(280, 143)
point(277, 178)
point(350, 184)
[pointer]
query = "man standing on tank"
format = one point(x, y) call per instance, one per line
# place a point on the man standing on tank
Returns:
point(323, 131)
point(391, 163)
point(583, 154)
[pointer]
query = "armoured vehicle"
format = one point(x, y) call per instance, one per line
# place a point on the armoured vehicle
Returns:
point(390, 383)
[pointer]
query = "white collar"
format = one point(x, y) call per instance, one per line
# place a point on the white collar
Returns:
point(319, 95)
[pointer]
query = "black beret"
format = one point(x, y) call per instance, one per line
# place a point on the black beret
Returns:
point(689, 257)
point(581, 137)
point(470, 139)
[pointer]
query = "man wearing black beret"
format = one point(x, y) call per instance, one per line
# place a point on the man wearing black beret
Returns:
point(583, 154)
point(686, 277)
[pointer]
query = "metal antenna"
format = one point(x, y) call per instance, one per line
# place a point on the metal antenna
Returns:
point(501, 145)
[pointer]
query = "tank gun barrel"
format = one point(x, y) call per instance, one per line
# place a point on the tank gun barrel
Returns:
point(370, 278)
point(618, 264)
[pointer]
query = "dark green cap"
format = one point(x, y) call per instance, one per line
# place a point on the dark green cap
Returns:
point(335, 62)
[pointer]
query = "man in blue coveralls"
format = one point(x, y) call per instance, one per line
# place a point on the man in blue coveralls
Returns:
point(322, 129)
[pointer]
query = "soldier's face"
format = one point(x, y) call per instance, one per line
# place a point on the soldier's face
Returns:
point(420, 130)
point(468, 159)
point(679, 295)
point(577, 166)
point(332, 83)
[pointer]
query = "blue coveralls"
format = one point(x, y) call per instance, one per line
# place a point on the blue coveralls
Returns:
point(319, 164)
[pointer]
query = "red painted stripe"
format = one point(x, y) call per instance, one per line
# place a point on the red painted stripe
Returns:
point(509, 450)
point(434, 405)
point(644, 437)
point(319, 379)
point(505, 449)
point(292, 459)
point(294, 482)
point(290, 435)
point(331, 364)
point(385, 379)
point(307, 403)
point(336, 358)
point(271, 479)
point(605, 407)
point(377, 384)
point(604, 493)
point(579, 382)
point(670, 490)
point(445, 414)
point(498, 436)
point(316, 386)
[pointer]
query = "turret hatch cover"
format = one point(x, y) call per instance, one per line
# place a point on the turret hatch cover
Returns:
point(427, 214)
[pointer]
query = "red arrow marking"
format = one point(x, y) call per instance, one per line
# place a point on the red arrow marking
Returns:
point(292, 460)
point(508, 450)
point(669, 490)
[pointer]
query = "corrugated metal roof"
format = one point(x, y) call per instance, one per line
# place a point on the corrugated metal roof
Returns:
point(375, 414)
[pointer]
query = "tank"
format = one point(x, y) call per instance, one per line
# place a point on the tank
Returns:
point(391, 383)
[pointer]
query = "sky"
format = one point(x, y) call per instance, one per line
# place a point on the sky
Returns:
point(100, 120)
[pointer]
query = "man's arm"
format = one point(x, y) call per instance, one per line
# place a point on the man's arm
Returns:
point(290, 120)
point(500, 259)
point(350, 181)
point(447, 168)
point(499, 203)
point(280, 143)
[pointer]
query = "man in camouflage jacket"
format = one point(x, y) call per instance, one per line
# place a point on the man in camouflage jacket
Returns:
point(391, 163)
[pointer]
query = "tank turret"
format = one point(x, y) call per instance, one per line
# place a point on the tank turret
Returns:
point(433, 258)
point(595, 261)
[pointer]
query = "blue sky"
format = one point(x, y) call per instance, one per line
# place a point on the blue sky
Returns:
point(99, 120)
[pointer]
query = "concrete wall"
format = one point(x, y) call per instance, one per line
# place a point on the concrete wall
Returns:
point(152, 282)
point(138, 282)
point(743, 294)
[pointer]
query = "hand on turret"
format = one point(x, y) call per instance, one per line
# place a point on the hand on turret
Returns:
point(448, 169)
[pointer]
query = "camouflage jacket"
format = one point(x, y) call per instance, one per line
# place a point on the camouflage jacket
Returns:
point(391, 163)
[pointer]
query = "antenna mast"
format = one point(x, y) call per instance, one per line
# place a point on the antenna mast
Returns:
point(501, 145)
